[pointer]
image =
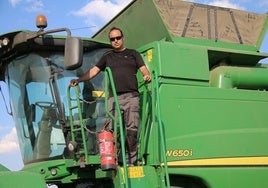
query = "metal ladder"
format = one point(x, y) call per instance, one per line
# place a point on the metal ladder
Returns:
point(78, 138)
point(78, 129)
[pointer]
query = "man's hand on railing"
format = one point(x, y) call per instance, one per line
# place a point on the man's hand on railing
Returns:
point(74, 82)
point(147, 78)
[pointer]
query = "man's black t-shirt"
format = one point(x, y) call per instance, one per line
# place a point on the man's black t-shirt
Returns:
point(124, 66)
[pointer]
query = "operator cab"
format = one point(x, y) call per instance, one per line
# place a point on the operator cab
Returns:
point(38, 70)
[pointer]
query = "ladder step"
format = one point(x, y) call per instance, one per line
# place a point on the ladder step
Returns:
point(73, 107)
point(77, 129)
point(81, 152)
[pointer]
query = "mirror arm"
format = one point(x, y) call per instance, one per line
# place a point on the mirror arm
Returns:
point(43, 32)
point(25, 36)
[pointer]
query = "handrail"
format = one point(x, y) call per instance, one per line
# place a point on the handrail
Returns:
point(158, 115)
point(143, 129)
point(109, 79)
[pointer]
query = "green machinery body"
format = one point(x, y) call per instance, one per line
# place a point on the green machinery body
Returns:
point(204, 120)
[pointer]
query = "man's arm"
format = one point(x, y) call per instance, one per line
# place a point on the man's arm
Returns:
point(146, 74)
point(91, 73)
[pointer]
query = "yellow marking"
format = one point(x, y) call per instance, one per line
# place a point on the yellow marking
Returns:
point(96, 93)
point(123, 175)
point(133, 172)
point(237, 161)
point(150, 55)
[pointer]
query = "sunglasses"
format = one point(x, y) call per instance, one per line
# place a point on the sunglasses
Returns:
point(117, 38)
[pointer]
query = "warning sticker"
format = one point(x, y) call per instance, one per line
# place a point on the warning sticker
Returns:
point(135, 172)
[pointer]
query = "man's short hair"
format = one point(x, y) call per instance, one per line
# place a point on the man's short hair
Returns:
point(116, 28)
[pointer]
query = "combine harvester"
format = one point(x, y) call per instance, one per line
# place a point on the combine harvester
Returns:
point(203, 116)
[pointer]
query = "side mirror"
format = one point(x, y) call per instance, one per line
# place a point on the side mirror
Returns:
point(73, 54)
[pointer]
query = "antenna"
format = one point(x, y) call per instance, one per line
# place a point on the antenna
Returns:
point(80, 28)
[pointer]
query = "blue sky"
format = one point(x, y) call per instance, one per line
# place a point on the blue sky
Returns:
point(84, 18)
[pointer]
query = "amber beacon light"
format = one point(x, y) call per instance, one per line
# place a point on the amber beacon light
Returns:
point(41, 21)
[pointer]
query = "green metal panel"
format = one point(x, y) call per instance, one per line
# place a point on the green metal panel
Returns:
point(223, 177)
point(21, 179)
point(213, 133)
point(176, 60)
point(214, 122)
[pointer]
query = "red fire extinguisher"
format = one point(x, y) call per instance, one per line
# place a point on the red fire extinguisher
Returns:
point(107, 150)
